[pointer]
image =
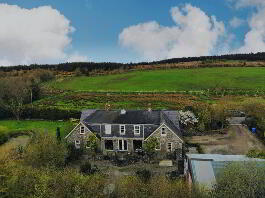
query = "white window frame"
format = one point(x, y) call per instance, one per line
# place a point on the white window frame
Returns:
point(77, 143)
point(122, 144)
point(108, 125)
point(137, 131)
point(124, 130)
point(171, 143)
point(163, 129)
point(81, 131)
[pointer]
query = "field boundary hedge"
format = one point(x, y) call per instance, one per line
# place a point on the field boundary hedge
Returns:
point(44, 113)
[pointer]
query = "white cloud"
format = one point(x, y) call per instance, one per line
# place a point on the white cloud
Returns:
point(76, 57)
point(236, 22)
point(38, 35)
point(255, 39)
point(195, 34)
point(246, 3)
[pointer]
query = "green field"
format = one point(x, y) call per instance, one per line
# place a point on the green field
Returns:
point(168, 80)
point(7, 126)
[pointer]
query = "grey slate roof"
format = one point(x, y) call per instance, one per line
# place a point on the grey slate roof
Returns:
point(170, 118)
point(87, 113)
point(150, 120)
point(130, 117)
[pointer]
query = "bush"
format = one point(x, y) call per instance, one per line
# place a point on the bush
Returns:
point(4, 114)
point(44, 150)
point(25, 181)
point(240, 180)
point(256, 154)
point(87, 169)
point(73, 153)
point(3, 138)
point(144, 175)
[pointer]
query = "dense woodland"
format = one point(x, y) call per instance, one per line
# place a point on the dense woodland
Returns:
point(108, 66)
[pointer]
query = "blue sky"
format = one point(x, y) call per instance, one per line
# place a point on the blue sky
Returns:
point(98, 24)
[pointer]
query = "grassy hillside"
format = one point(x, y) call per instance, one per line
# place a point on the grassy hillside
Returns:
point(7, 126)
point(168, 80)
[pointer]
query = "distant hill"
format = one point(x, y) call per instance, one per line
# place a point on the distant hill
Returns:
point(203, 61)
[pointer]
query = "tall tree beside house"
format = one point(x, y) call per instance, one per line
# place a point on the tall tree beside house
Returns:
point(92, 145)
point(14, 93)
point(150, 146)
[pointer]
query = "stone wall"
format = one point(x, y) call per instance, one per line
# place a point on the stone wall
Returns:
point(75, 135)
point(169, 137)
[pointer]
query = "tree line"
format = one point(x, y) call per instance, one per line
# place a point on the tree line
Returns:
point(110, 66)
point(18, 89)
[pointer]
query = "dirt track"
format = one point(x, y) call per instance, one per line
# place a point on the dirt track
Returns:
point(238, 140)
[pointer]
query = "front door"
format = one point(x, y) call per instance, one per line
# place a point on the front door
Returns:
point(123, 145)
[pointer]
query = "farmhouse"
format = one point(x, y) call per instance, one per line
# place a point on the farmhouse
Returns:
point(126, 131)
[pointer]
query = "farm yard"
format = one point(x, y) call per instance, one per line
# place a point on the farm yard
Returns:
point(167, 80)
point(237, 140)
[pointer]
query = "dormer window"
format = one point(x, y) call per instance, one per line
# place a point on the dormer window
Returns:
point(122, 129)
point(82, 130)
point(108, 129)
point(163, 131)
point(137, 130)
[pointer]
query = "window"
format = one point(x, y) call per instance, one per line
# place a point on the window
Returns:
point(82, 130)
point(122, 129)
point(108, 129)
point(169, 146)
point(123, 145)
point(137, 129)
point(109, 145)
point(163, 131)
point(137, 145)
point(77, 143)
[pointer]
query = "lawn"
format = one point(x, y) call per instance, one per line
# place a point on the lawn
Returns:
point(168, 80)
point(7, 126)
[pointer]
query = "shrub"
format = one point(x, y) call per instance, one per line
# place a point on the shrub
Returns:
point(3, 138)
point(240, 180)
point(144, 175)
point(256, 154)
point(25, 181)
point(87, 169)
point(73, 153)
point(150, 145)
point(44, 150)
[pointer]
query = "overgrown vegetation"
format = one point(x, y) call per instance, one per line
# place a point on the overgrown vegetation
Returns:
point(245, 180)
point(256, 154)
